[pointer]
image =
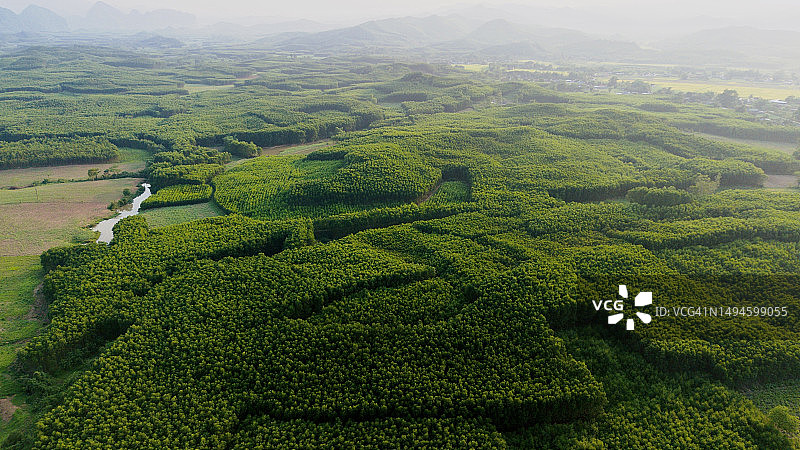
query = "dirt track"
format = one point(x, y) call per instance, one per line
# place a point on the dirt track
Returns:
point(7, 409)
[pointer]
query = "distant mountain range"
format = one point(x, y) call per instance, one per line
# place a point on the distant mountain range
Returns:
point(473, 33)
point(33, 19)
point(101, 17)
point(403, 33)
point(466, 37)
point(456, 36)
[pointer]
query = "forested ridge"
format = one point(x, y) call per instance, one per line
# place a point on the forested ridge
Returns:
point(427, 280)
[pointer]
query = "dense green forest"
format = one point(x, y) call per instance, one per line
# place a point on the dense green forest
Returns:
point(429, 279)
point(49, 152)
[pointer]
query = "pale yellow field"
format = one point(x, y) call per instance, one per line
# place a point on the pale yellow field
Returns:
point(560, 72)
point(473, 67)
point(744, 89)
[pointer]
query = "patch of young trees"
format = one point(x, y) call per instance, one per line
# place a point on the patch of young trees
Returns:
point(180, 194)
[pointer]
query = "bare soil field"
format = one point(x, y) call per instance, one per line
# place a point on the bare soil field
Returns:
point(35, 219)
point(7, 409)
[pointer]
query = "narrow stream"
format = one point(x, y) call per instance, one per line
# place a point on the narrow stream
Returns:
point(106, 227)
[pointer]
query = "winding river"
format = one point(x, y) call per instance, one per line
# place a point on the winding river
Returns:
point(106, 227)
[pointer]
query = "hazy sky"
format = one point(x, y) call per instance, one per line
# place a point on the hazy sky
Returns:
point(341, 8)
point(317, 9)
point(338, 11)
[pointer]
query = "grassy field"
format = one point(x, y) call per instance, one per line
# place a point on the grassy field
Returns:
point(299, 149)
point(132, 160)
point(744, 89)
point(37, 218)
point(295, 149)
point(19, 275)
point(170, 215)
point(770, 395)
point(19, 321)
point(78, 192)
point(193, 88)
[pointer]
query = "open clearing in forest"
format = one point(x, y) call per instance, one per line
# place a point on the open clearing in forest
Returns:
point(7, 409)
point(772, 181)
point(770, 395)
point(282, 150)
point(194, 88)
point(171, 215)
point(780, 146)
point(132, 160)
point(781, 182)
point(297, 149)
point(426, 196)
point(35, 219)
